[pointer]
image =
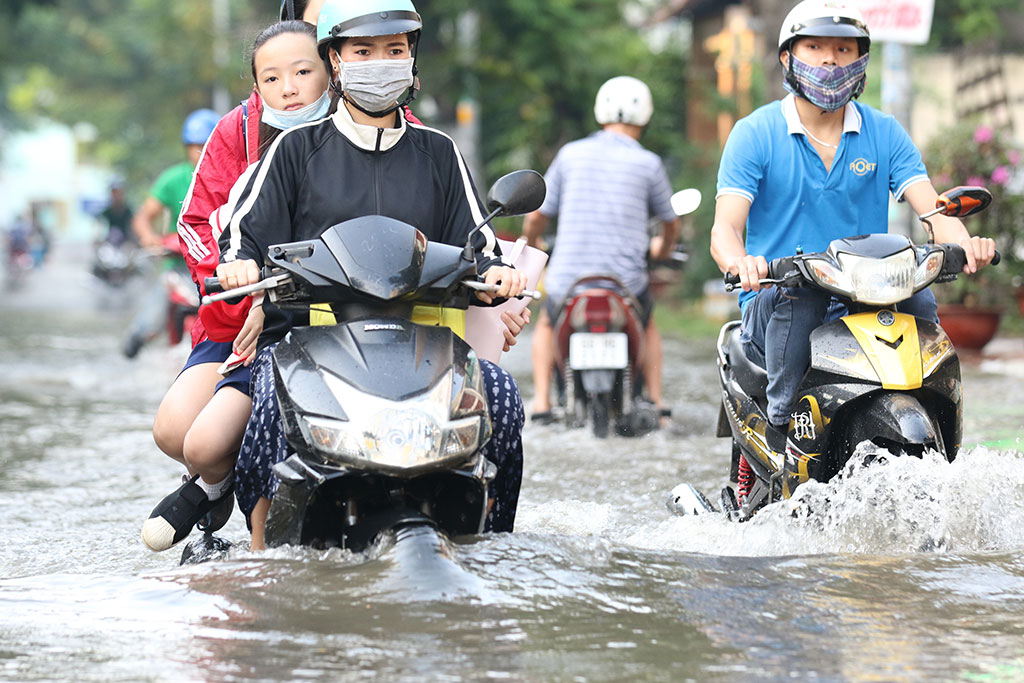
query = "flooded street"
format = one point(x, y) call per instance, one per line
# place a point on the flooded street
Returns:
point(916, 572)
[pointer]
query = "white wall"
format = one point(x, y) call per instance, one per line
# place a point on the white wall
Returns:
point(40, 166)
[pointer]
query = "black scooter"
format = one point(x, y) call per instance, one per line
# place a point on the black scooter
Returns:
point(875, 375)
point(385, 419)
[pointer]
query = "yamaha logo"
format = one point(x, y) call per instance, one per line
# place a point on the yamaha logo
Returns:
point(886, 318)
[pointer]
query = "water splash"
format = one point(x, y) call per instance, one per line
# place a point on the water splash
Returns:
point(881, 504)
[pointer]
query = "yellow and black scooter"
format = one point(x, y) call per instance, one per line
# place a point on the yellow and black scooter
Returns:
point(875, 375)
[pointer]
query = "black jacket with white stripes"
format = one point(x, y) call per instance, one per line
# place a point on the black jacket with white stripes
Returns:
point(319, 174)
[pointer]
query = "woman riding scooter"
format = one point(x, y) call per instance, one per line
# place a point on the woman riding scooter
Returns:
point(363, 160)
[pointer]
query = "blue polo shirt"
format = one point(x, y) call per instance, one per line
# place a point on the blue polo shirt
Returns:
point(794, 202)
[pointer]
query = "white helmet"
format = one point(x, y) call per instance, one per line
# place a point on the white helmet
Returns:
point(624, 99)
point(829, 18)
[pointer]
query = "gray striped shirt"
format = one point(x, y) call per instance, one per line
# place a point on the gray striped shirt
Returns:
point(604, 189)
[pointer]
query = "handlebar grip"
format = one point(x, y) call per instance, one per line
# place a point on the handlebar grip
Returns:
point(731, 279)
point(212, 285)
point(956, 259)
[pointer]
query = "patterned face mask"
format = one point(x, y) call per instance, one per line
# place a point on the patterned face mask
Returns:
point(828, 88)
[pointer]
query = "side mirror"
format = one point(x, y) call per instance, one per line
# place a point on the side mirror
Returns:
point(963, 201)
point(516, 193)
point(685, 201)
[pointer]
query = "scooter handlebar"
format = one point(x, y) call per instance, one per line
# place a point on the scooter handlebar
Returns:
point(956, 259)
point(783, 268)
point(212, 285)
point(484, 287)
point(780, 271)
point(215, 292)
point(233, 296)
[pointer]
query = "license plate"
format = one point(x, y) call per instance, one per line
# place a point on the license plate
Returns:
point(592, 351)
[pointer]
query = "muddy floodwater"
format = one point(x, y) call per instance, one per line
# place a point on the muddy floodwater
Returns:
point(916, 572)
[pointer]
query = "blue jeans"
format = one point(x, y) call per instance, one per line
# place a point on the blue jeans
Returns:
point(776, 334)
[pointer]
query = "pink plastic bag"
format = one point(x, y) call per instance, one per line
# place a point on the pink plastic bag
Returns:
point(485, 331)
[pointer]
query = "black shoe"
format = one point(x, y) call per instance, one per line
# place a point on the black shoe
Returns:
point(133, 344)
point(173, 518)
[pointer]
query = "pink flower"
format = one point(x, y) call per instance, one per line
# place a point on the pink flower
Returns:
point(976, 181)
point(1014, 157)
point(983, 134)
point(1001, 175)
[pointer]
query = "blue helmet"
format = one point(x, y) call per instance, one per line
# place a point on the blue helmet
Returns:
point(348, 18)
point(198, 126)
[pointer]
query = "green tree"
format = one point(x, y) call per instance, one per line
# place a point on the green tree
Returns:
point(535, 70)
point(963, 22)
point(133, 69)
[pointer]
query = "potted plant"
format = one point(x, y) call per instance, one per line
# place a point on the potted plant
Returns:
point(977, 154)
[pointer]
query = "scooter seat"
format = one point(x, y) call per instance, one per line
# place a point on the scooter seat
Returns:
point(751, 376)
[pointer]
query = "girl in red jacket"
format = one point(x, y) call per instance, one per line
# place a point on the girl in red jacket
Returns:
point(197, 423)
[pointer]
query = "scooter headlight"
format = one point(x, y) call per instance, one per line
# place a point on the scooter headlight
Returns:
point(404, 438)
point(398, 435)
point(875, 281)
point(332, 436)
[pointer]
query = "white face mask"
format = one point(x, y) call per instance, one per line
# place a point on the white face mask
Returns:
point(284, 120)
point(376, 84)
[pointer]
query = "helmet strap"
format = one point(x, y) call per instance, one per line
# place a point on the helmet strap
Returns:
point(790, 76)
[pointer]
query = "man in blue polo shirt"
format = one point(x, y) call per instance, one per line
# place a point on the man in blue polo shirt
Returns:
point(802, 171)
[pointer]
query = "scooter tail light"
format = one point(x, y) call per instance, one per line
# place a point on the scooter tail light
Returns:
point(617, 314)
point(578, 314)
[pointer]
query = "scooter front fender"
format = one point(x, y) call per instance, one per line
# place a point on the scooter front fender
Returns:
point(895, 420)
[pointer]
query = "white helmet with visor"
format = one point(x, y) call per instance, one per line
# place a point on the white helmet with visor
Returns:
point(828, 18)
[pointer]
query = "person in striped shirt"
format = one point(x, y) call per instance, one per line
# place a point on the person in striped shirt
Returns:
point(604, 189)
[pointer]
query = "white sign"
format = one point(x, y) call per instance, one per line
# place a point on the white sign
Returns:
point(898, 21)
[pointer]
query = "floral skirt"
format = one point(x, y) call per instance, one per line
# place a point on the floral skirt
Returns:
point(264, 444)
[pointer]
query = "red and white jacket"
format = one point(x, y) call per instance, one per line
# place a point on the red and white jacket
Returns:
point(231, 149)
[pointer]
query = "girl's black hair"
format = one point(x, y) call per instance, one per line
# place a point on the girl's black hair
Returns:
point(293, 9)
point(268, 133)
